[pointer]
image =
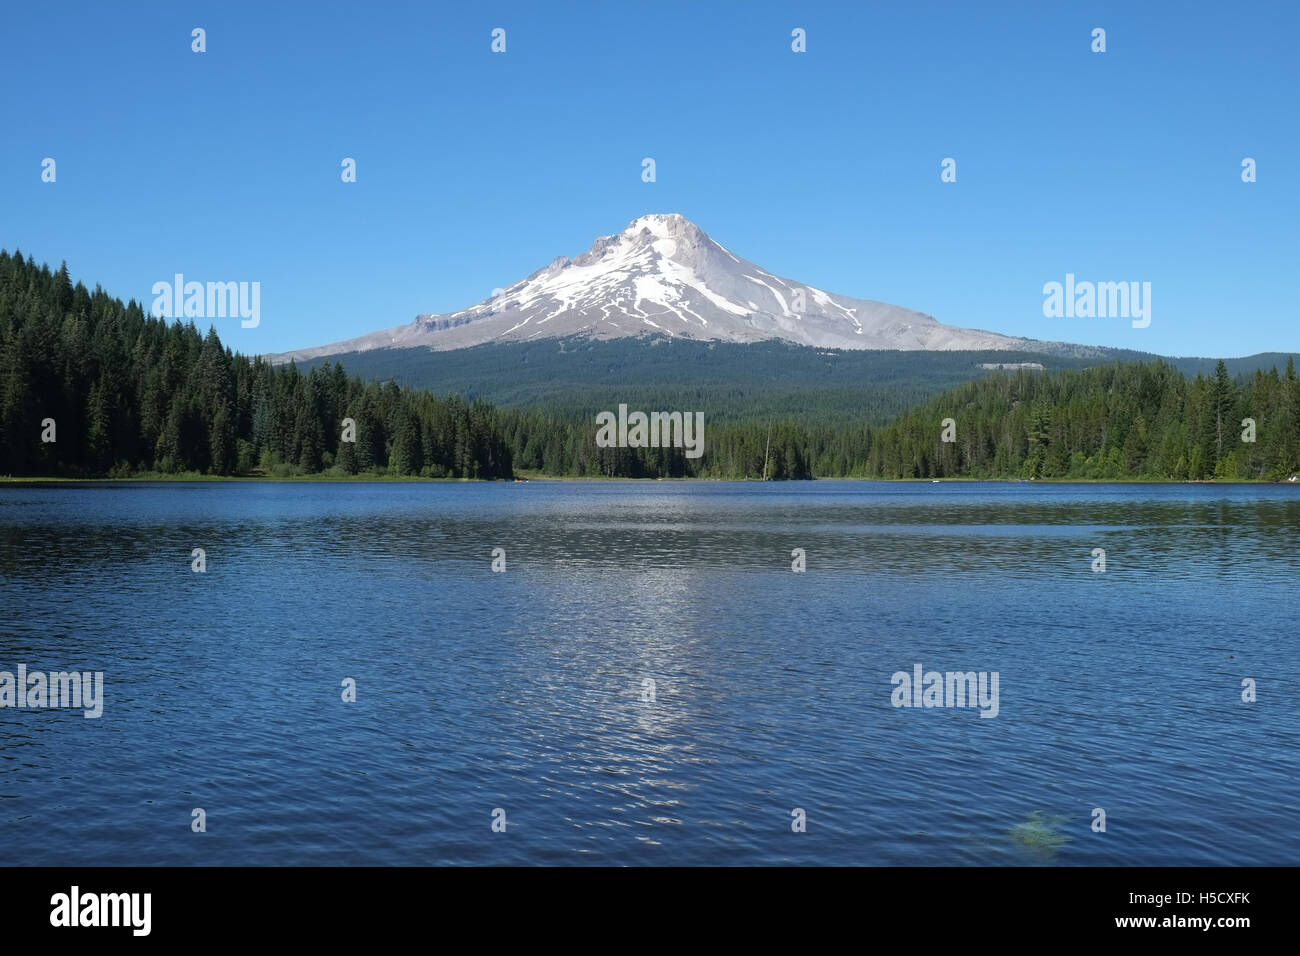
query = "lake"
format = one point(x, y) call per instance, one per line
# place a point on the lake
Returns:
point(648, 681)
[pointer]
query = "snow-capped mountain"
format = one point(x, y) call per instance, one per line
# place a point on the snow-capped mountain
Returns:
point(663, 275)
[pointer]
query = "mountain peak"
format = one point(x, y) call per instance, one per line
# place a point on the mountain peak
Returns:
point(662, 233)
point(661, 224)
point(663, 275)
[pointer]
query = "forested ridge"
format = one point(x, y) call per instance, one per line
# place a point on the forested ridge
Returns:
point(129, 394)
point(732, 383)
point(1119, 421)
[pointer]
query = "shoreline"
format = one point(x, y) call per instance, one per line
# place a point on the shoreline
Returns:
point(7, 481)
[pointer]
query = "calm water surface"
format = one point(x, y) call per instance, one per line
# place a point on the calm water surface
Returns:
point(525, 690)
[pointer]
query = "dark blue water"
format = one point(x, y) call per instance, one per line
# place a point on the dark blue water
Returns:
point(525, 690)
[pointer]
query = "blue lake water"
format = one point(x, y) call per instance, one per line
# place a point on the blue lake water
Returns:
point(527, 690)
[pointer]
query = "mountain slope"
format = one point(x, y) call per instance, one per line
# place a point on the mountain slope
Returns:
point(663, 275)
point(572, 378)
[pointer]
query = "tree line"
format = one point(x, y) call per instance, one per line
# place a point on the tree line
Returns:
point(127, 394)
point(1121, 421)
point(123, 393)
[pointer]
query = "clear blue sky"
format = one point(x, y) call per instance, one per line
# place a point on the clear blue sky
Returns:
point(475, 169)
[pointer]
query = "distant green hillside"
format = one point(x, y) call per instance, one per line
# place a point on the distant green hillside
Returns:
point(572, 379)
point(575, 378)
